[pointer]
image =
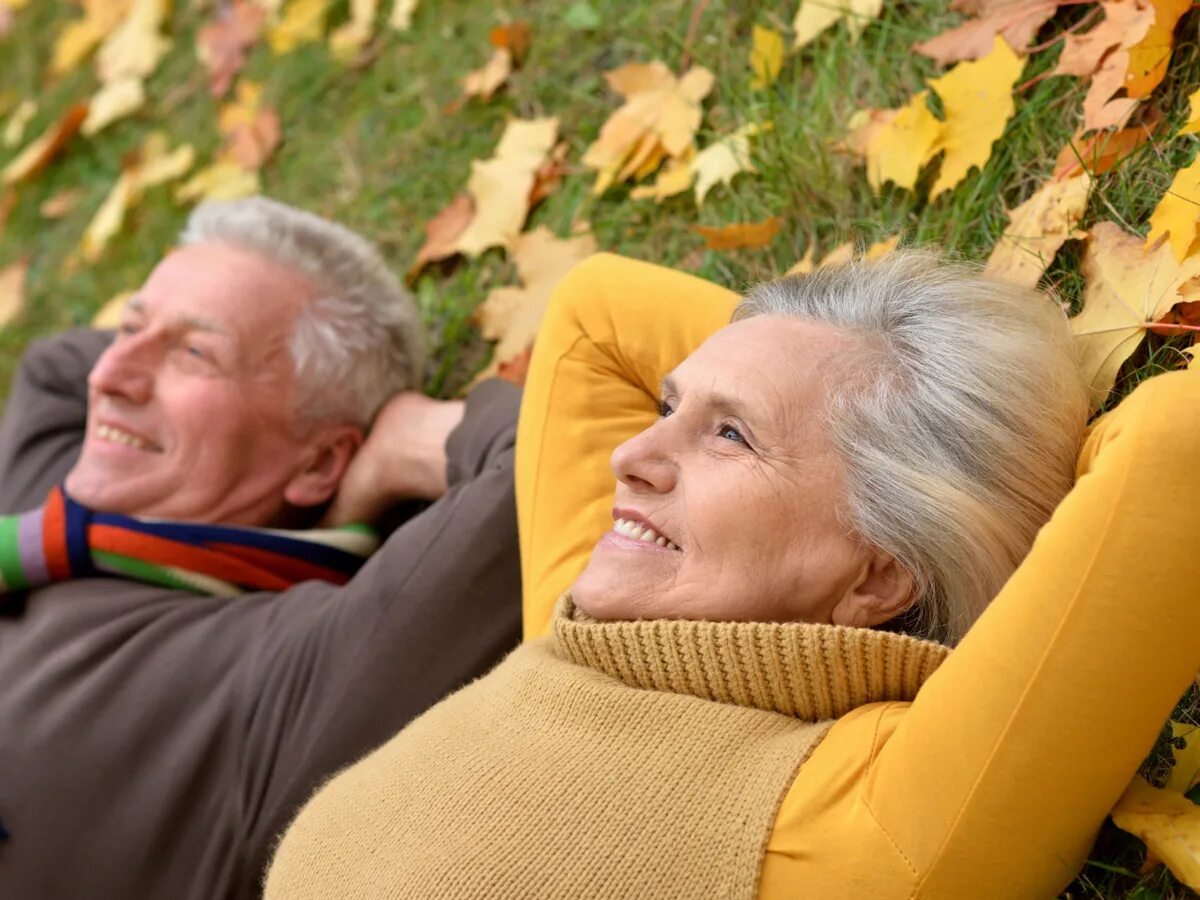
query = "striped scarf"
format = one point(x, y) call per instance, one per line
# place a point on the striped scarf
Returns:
point(63, 540)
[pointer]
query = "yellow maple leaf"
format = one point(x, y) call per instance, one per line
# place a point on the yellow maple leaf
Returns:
point(500, 186)
point(1178, 212)
point(223, 179)
point(80, 36)
point(658, 119)
point(348, 39)
point(815, 16)
point(897, 148)
point(1192, 125)
point(1037, 228)
point(113, 101)
point(1129, 287)
point(486, 80)
point(1186, 769)
point(766, 57)
point(303, 22)
point(135, 47)
point(512, 315)
point(977, 98)
point(12, 291)
point(720, 161)
point(674, 178)
point(1168, 823)
point(402, 13)
point(1148, 58)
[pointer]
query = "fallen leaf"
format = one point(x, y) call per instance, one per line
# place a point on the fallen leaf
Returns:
point(1017, 21)
point(1101, 107)
point(135, 47)
point(883, 248)
point(221, 180)
point(14, 128)
point(977, 98)
point(897, 149)
point(79, 37)
point(442, 233)
point(766, 57)
point(486, 80)
point(842, 254)
point(37, 155)
point(1168, 823)
point(658, 120)
point(515, 37)
point(113, 101)
point(516, 369)
point(720, 161)
point(8, 200)
point(739, 234)
point(1185, 770)
point(151, 165)
point(250, 126)
point(1128, 289)
point(1037, 228)
point(500, 186)
point(12, 291)
point(402, 13)
point(348, 39)
point(512, 315)
point(861, 128)
point(838, 256)
point(815, 16)
point(223, 44)
point(549, 174)
point(1178, 212)
point(1148, 58)
point(1125, 23)
point(61, 203)
point(112, 312)
point(805, 264)
point(1100, 153)
point(303, 22)
point(673, 178)
point(6, 21)
point(1192, 125)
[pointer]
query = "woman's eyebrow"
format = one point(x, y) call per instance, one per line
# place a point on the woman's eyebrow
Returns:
point(715, 400)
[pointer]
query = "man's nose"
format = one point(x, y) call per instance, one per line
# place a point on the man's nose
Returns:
point(646, 462)
point(126, 369)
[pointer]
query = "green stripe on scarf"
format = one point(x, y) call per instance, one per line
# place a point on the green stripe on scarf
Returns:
point(11, 570)
point(141, 570)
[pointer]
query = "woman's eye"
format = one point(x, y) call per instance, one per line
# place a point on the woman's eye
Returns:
point(664, 409)
point(729, 433)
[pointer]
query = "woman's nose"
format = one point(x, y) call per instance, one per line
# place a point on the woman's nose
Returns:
point(645, 462)
point(125, 369)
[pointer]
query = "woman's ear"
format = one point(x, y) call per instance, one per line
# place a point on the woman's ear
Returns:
point(330, 450)
point(882, 590)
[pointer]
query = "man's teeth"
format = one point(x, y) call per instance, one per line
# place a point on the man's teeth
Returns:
point(640, 532)
point(108, 433)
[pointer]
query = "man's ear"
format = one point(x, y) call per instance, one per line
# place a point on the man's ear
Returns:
point(323, 463)
point(882, 590)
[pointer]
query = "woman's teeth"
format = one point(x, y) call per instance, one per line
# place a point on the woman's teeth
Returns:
point(640, 532)
point(116, 436)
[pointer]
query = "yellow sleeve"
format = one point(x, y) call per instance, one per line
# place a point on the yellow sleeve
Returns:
point(614, 328)
point(1015, 751)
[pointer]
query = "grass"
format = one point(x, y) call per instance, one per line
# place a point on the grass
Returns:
point(375, 148)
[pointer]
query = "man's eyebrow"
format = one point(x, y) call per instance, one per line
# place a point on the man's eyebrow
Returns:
point(191, 323)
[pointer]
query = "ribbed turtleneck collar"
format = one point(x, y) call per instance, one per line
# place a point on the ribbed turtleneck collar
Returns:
point(811, 672)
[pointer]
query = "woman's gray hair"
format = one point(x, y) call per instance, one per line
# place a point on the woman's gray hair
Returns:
point(958, 421)
point(358, 341)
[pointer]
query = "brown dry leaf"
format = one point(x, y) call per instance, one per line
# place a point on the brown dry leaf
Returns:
point(1168, 823)
point(1178, 212)
point(658, 120)
point(815, 16)
point(402, 13)
point(511, 315)
point(251, 127)
point(113, 101)
point(766, 57)
point(500, 186)
point(135, 47)
point(12, 291)
point(549, 174)
point(516, 38)
point(1017, 21)
point(1101, 107)
point(739, 234)
point(14, 128)
point(486, 80)
point(303, 22)
point(151, 165)
point(1037, 228)
point(442, 233)
point(80, 36)
point(897, 149)
point(223, 44)
point(838, 256)
point(37, 155)
point(110, 314)
point(348, 40)
point(862, 127)
point(721, 160)
point(516, 369)
point(1099, 153)
point(61, 204)
point(8, 200)
point(977, 98)
point(221, 180)
point(1124, 21)
point(1129, 288)
point(6, 21)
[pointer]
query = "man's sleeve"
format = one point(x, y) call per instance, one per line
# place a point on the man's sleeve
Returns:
point(338, 671)
point(46, 416)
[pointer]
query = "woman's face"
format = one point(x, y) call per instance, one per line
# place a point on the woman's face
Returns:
point(740, 483)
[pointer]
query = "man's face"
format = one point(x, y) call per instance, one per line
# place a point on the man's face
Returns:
point(190, 409)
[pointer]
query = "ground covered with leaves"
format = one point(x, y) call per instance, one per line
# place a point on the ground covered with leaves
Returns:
point(486, 147)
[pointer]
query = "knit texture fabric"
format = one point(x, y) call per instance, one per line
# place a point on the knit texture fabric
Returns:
point(610, 759)
point(63, 539)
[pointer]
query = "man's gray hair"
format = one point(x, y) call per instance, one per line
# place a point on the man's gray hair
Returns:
point(958, 421)
point(358, 341)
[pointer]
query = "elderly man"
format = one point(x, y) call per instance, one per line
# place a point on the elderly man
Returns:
point(180, 662)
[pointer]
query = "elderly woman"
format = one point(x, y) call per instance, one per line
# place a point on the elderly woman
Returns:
point(748, 690)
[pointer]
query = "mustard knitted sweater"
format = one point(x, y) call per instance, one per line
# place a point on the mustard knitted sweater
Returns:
point(609, 759)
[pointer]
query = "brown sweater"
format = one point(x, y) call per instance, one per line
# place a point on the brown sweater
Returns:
point(154, 743)
point(610, 759)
